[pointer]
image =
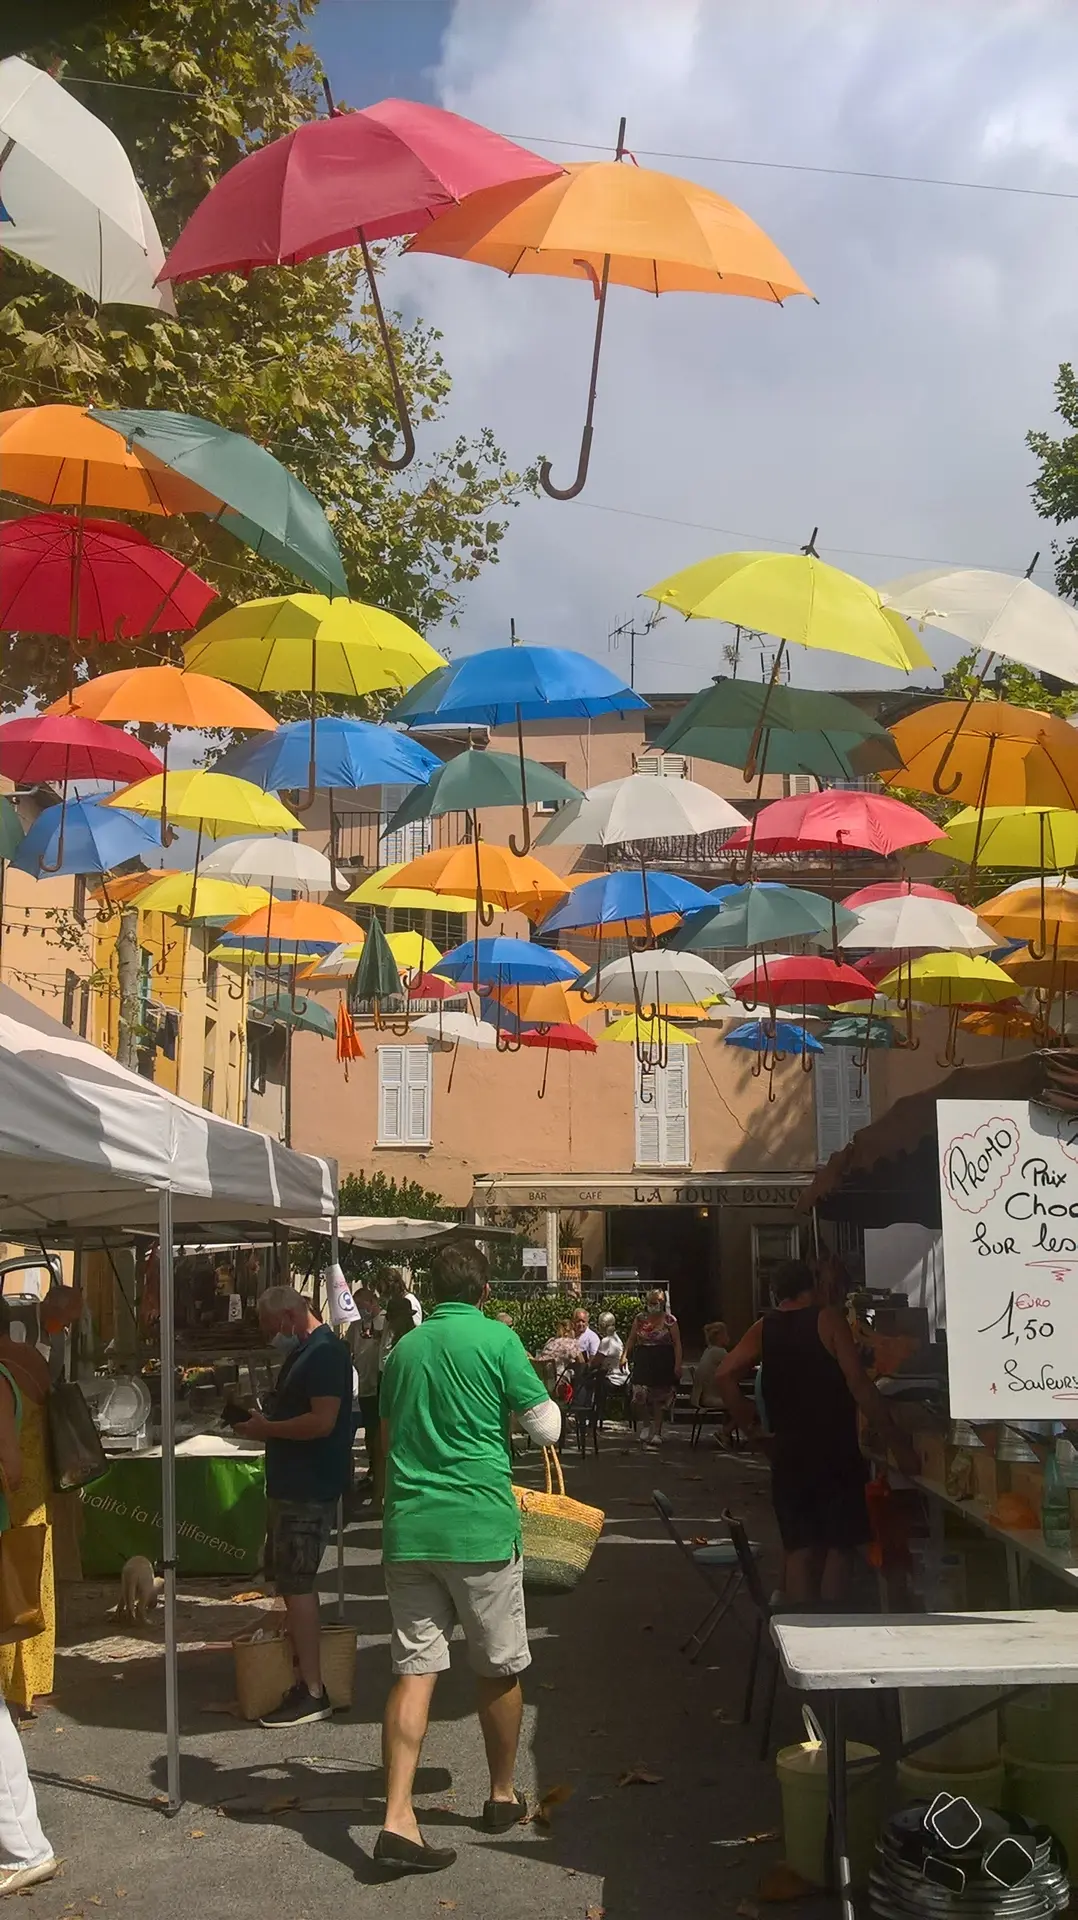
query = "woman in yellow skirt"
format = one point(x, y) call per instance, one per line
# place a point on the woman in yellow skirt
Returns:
point(26, 1667)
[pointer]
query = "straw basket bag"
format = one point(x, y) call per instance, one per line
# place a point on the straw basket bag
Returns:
point(559, 1533)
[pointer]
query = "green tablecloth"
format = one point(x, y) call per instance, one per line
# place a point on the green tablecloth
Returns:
point(220, 1514)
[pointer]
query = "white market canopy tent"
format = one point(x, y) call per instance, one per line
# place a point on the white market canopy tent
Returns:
point(377, 1232)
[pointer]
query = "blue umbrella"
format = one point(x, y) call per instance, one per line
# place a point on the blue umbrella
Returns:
point(778, 1036)
point(96, 838)
point(348, 753)
point(629, 896)
point(504, 686)
point(504, 962)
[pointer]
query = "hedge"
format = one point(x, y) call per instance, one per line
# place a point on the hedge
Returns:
point(538, 1318)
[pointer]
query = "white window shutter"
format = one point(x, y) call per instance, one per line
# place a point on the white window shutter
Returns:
point(418, 1082)
point(840, 1108)
point(649, 1122)
point(391, 1096)
point(675, 1092)
point(858, 1099)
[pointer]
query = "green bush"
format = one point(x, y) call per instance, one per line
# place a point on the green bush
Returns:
point(537, 1320)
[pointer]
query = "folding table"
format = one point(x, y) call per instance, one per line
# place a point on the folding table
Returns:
point(837, 1653)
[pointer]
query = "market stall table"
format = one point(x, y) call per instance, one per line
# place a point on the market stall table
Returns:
point(220, 1509)
point(838, 1653)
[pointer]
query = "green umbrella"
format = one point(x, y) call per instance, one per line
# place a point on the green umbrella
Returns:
point(481, 779)
point(852, 1031)
point(758, 914)
point(803, 732)
point(11, 833)
point(293, 1010)
point(376, 978)
point(266, 506)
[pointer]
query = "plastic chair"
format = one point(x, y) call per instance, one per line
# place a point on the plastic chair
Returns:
point(747, 1555)
point(710, 1563)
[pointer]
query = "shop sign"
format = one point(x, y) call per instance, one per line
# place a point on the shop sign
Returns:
point(706, 1192)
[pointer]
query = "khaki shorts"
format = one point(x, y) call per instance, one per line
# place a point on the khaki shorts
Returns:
point(485, 1598)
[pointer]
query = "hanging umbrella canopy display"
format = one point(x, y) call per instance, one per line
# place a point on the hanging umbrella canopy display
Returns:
point(501, 962)
point(96, 839)
point(1057, 969)
point(382, 889)
point(640, 807)
point(656, 980)
point(53, 747)
point(1045, 839)
point(456, 1029)
point(70, 200)
point(284, 864)
point(213, 803)
point(480, 778)
point(785, 980)
point(949, 980)
point(256, 499)
point(771, 1036)
point(608, 224)
point(93, 580)
point(890, 890)
point(348, 180)
point(164, 696)
point(910, 920)
point(647, 1030)
point(268, 956)
point(11, 831)
point(497, 879)
point(65, 458)
point(836, 821)
point(562, 1037)
point(206, 900)
point(858, 1030)
point(990, 754)
point(1003, 613)
point(306, 643)
point(629, 901)
point(376, 977)
point(1042, 911)
point(762, 912)
point(348, 753)
point(304, 922)
point(1003, 1023)
point(292, 1010)
point(555, 1005)
point(800, 731)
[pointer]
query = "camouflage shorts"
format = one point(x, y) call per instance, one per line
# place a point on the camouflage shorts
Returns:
point(297, 1535)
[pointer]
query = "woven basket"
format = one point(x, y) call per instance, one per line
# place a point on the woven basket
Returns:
point(559, 1533)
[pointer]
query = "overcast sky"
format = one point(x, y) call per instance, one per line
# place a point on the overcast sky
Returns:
point(893, 414)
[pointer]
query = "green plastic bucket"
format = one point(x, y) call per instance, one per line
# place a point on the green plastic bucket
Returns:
point(1045, 1791)
point(1043, 1725)
point(802, 1773)
point(983, 1785)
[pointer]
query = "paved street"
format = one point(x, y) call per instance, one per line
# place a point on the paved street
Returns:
point(608, 1692)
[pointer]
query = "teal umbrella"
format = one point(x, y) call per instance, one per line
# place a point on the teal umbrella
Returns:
point(802, 732)
point(376, 978)
point(853, 1031)
point(265, 506)
point(759, 914)
point(481, 779)
point(293, 1010)
point(11, 839)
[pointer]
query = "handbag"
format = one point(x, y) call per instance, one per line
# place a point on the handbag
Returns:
point(22, 1559)
point(77, 1454)
point(559, 1534)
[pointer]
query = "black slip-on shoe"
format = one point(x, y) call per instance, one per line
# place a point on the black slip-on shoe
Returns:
point(298, 1707)
point(403, 1856)
point(500, 1815)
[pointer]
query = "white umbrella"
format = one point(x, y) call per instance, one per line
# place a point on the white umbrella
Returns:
point(642, 806)
point(69, 200)
point(998, 611)
point(739, 969)
point(260, 861)
point(909, 920)
point(657, 977)
point(462, 1029)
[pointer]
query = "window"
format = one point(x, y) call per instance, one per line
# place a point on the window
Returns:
point(406, 843)
point(405, 1087)
point(842, 1100)
point(662, 1112)
point(552, 766)
point(211, 979)
point(663, 766)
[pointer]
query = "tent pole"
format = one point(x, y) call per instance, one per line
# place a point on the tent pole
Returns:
point(168, 1497)
point(334, 1260)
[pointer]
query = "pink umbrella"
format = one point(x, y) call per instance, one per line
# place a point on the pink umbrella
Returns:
point(93, 580)
point(55, 748)
point(891, 889)
point(348, 180)
point(834, 821)
point(804, 978)
point(562, 1037)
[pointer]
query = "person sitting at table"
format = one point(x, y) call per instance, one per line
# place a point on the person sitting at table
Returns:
point(705, 1393)
point(813, 1383)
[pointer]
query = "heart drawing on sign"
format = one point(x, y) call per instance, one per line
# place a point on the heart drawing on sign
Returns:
point(975, 1165)
point(1067, 1134)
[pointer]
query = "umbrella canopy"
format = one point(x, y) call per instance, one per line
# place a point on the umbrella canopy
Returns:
point(802, 731)
point(11, 832)
point(165, 697)
point(412, 951)
point(306, 643)
point(989, 754)
point(71, 202)
point(292, 1010)
point(206, 900)
point(857, 1030)
point(643, 1030)
point(614, 899)
point(890, 890)
point(265, 506)
point(1042, 838)
point(348, 753)
point(562, 1037)
point(657, 979)
point(214, 803)
point(458, 1029)
point(788, 979)
point(271, 956)
point(547, 1006)
point(836, 820)
point(1000, 612)
point(479, 778)
point(910, 920)
point(382, 889)
point(606, 223)
point(63, 747)
point(949, 980)
point(640, 807)
point(504, 961)
point(1003, 1023)
point(304, 922)
point(495, 876)
point(93, 580)
point(1057, 969)
point(272, 863)
point(771, 1036)
point(799, 599)
point(65, 458)
point(1047, 909)
point(761, 912)
point(376, 977)
point(497, 687)
point(96, 839)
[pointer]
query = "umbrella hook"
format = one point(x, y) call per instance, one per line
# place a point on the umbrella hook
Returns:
point(234, 991)
point(381, 459)
point(1040, 951)
point(541, 1095)
point(749, 770)
point(937, 777)
point(47, 866)
point(600, 291)
point(484, 911)
point(160, 967)
point(772, 1096)
point(950, 1056)
point(524, 814)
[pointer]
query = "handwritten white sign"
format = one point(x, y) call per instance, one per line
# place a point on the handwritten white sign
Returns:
point(1009, 1191)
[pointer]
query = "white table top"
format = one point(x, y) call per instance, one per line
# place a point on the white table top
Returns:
point(831, 1651)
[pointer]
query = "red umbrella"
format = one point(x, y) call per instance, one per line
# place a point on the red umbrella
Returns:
point(348, 180)
point(93, 580)
point(891, 889)
point(833, 821)
point(62, 747)
point(563, 1037)
point(803, 978)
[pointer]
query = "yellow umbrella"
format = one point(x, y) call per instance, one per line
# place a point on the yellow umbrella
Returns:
point(953, 980)
point(1036, 911)
point(635, 1030)
point(209, 899)
point(412, 951)
point(380, 889)
point(217, 804)
point(1044, 839)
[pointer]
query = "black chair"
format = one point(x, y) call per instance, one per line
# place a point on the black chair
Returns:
point(700, 1417)
point(586, 1406)
point(710, 1562)
point(762, 1642)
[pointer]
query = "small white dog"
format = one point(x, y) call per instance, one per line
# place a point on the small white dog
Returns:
point(140, 1589)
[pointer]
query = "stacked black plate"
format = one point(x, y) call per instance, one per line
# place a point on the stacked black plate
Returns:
point(947, 1859)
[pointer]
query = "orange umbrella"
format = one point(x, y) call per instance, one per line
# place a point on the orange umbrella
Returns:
point(602, 222)
point(59, 455)
point(295, 922)
point(493, 875)
point(991, 755)
point(552, 1006)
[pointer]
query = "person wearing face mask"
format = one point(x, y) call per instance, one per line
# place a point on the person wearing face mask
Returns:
point(307, 1430)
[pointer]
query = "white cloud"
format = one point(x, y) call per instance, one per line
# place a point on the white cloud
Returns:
point(893, 414)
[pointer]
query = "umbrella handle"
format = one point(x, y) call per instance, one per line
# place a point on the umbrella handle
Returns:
point(381, 459)
point(47, 866)
point(570, 493)
point(541, 1095)
point(526, 824)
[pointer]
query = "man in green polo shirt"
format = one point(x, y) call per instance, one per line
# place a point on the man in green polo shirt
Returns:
point(451, 1538)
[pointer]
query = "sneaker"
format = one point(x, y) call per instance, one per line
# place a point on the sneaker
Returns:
point(17, 1879)
point(298, 1707)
